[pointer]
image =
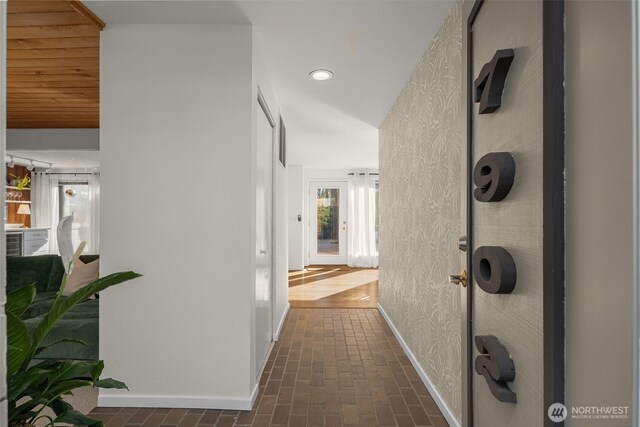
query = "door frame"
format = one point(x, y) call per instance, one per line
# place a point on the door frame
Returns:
point(553, 213)
point(262, 103)
point(310, 200)
point(635, 19)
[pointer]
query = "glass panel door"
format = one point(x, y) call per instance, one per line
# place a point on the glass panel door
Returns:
point(328, 225)
point(328, 221)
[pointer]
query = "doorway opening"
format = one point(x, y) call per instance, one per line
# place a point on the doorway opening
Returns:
point(341, 241)
point(328, 227)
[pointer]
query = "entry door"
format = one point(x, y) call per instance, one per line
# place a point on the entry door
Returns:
point(264, 209)
point(328, 223)
point(510, 188)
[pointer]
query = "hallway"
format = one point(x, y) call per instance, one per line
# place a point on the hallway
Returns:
point(333, 367)
point(337, 286)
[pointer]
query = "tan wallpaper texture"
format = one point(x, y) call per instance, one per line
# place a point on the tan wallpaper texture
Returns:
point(421, 144)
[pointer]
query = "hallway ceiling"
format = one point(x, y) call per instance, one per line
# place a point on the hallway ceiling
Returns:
point(371, 46)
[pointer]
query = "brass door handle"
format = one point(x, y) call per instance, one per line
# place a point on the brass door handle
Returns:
point(459, 279)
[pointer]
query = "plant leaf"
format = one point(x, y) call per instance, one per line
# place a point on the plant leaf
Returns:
point(71, 369)
point(19, 300)
point(76, 418)
point(64, 387)
point(110, 383)
point(18, 343)
point(25, 411)
point(62, 306)
point(59, 406)
point(18, 383)
point(69, 340)
point(97, 370)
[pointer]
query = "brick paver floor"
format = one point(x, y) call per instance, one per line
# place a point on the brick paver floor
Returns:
point(331, 367)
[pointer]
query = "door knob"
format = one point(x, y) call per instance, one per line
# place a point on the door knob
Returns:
point(459, 279)
point(263, 252)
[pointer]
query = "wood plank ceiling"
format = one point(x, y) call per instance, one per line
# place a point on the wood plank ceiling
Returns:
point(53, 58)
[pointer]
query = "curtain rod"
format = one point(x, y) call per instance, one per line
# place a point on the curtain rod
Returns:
point(68, 173)
point(363, 173)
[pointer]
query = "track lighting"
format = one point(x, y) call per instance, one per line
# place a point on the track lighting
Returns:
point(32, 162)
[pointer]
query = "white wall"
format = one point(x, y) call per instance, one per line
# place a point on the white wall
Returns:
point(296, 207)
point(326, 150)
point(177, 175)
point(53, 139)
point(599, 208)
point(280, 196)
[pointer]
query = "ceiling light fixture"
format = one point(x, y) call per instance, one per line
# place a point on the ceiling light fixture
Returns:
point(321, 75)
point(32, 162)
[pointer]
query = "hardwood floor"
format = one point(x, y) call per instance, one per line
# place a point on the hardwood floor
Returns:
point(330, 368)
point(333, 287)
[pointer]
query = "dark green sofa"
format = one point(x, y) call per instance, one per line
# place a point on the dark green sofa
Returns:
point(81, 322)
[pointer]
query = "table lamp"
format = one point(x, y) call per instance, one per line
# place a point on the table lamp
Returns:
point(23, 209)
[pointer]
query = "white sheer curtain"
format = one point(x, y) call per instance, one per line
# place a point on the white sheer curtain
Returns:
point(45, 205)
point(94, 200)
point(46, 208)
point(362, 222)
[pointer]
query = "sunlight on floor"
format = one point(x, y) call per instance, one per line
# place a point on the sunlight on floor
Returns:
point(330, 286)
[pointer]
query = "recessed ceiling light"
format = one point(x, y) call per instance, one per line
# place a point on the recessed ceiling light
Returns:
point(321, 74)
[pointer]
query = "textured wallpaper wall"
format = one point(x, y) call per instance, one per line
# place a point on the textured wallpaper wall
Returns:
point(420, 164)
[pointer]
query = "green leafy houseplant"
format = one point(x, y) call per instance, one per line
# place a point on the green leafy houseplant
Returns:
point(24, 182)
point(34, 384)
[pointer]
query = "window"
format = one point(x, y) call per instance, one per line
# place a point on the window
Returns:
point(74, 199)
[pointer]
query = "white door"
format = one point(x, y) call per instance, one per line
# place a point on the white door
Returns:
point(264, 193)
point(328, 223)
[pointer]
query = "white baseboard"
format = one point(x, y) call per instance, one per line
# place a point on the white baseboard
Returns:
point(254, 395)
point(184, 402)
point(448, 415)
point(276, 334)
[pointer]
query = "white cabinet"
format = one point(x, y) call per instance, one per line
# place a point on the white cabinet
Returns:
point(35, 242)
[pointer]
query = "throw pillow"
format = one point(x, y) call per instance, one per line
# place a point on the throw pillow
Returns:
point(81, 275)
